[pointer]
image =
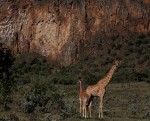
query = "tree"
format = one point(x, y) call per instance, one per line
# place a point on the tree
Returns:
point(6, 80)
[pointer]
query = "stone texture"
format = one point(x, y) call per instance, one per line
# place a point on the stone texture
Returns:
point(61, 30)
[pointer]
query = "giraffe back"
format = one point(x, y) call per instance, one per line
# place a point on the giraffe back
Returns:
point(94, 90)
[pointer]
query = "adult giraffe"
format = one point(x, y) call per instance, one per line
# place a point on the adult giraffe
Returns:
point(99, 88)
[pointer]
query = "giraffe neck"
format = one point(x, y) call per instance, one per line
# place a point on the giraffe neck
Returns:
point(108, 77)
point(81, 89)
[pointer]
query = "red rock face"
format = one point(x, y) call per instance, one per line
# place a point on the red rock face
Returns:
point(146, 1)
point(61, 30)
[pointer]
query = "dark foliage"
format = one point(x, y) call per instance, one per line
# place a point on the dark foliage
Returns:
point(34, 78)
point(6, 79)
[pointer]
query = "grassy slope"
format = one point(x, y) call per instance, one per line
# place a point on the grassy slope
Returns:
point(126, 99)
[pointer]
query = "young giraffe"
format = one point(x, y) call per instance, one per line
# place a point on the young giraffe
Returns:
point(84, 98)
point(99, 88)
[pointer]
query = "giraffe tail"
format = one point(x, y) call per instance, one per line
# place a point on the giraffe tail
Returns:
point(89, 100)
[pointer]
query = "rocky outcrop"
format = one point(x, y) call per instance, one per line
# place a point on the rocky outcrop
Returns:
point(61, 30)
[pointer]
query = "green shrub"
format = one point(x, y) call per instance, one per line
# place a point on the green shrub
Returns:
point(65, 79)
point(85, 57)
point(24, 68)
point(142, 36)
point(88, 77)
point(6, 79)
point(3, 118)
point(43, 97)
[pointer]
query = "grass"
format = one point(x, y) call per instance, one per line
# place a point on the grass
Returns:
point(42, 90)
point(121, 102)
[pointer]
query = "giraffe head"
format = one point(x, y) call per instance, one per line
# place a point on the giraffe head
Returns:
point(117, 62)
point(79, 81)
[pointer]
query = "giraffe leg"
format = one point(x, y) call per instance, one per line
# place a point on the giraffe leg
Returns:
point(89, 105)
point(99, 113)
point(101, 104)
point(86, 111)
point(83, 111)
point(90, 109)
point(80, 105)
point(101, 107)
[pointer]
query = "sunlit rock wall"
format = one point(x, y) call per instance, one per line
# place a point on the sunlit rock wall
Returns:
point(61, 29)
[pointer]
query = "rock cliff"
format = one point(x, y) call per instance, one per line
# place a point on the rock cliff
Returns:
point(63, 29)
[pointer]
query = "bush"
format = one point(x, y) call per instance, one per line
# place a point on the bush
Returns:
point(64, 79)
point(142, 36)
point(43, 97)
point(24, 68)
point(6, 79)
point(89, 77)
point(85, 57)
